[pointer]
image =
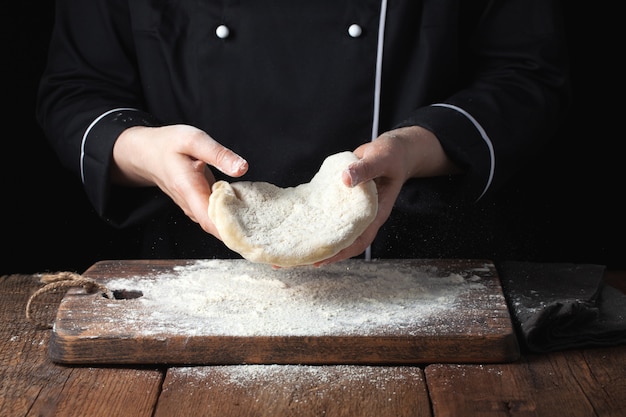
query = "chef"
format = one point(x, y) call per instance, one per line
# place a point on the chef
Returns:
point(149, 102)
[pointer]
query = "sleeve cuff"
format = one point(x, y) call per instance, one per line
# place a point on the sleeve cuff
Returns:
point(97, 151)
point(465, 142)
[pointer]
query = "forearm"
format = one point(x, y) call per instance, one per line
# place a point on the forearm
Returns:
point(422, 153)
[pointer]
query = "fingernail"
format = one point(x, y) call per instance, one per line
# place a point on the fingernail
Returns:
point(239, 165)
point(349, 177)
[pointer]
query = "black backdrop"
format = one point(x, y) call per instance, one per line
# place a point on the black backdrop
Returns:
point(565, 208)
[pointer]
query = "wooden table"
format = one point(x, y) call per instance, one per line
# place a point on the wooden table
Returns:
point(586, 382)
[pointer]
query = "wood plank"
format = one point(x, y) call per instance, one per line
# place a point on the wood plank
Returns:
point(580, 383)
point(30, 384)
point(292, 390)
point(421, 326)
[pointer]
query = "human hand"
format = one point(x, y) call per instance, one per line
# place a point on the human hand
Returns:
point(390, 160)
point(175, 159)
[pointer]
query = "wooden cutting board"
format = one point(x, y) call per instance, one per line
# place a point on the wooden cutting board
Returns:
point(194, 312)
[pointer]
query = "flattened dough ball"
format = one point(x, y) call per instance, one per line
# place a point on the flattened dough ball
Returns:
point(298, 225)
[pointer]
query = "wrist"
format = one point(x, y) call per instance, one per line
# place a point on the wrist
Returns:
point(124, 169)
point(423, 154)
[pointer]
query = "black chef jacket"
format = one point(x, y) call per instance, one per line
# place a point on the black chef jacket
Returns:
point(286, 83)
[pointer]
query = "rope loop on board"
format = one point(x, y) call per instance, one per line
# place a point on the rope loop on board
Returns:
point(63, 281)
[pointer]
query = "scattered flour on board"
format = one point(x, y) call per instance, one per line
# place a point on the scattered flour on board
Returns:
point(240, 298)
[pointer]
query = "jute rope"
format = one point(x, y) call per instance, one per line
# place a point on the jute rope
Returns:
point(63, 280)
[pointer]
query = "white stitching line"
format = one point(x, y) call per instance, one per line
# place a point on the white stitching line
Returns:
point(485, 137)
point(377, 86)
point(379, 68)
point(82, 145)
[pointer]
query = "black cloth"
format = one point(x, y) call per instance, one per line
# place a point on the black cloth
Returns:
point(561, 306)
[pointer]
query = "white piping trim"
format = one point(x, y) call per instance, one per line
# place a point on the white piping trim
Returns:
point(485, 137)
point(379, 68)
point(377, 85)
point(82, 144)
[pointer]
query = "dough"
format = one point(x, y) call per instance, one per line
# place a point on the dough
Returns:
point(297, 225)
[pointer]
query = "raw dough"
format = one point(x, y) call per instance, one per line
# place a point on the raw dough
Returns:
point(297, 225)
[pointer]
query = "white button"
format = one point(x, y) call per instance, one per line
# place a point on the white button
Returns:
point(355, 30)
point(222, 31)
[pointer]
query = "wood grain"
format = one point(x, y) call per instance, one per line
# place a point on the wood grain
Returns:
point(581, 382)
point(31, 385)
point(584, 383)
point(291, 390)
point(479, 329)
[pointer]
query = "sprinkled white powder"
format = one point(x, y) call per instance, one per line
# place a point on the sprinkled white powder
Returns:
point(240, 298)
point(290, 375)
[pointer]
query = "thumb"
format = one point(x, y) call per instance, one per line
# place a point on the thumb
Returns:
point(228, 161)
point(217, 155)
point(358, 172)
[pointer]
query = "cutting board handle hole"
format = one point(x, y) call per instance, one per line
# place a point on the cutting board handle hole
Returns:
point(126, 294)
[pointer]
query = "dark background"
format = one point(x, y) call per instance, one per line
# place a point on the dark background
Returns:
point(567, 207)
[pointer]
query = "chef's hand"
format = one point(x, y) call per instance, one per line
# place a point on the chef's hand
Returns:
point(175, 159)
point(390, 160)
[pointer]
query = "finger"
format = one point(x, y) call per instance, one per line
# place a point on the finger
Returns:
point(215, 154)
point(198, 204)
point(201, 205)
point(357, 248)
point(229, 162)
point(359, 172)
point(347, 253)
point(372, 161)
point(192, 194)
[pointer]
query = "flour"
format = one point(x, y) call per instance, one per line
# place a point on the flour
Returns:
point(291, 377)
point(241, 298)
